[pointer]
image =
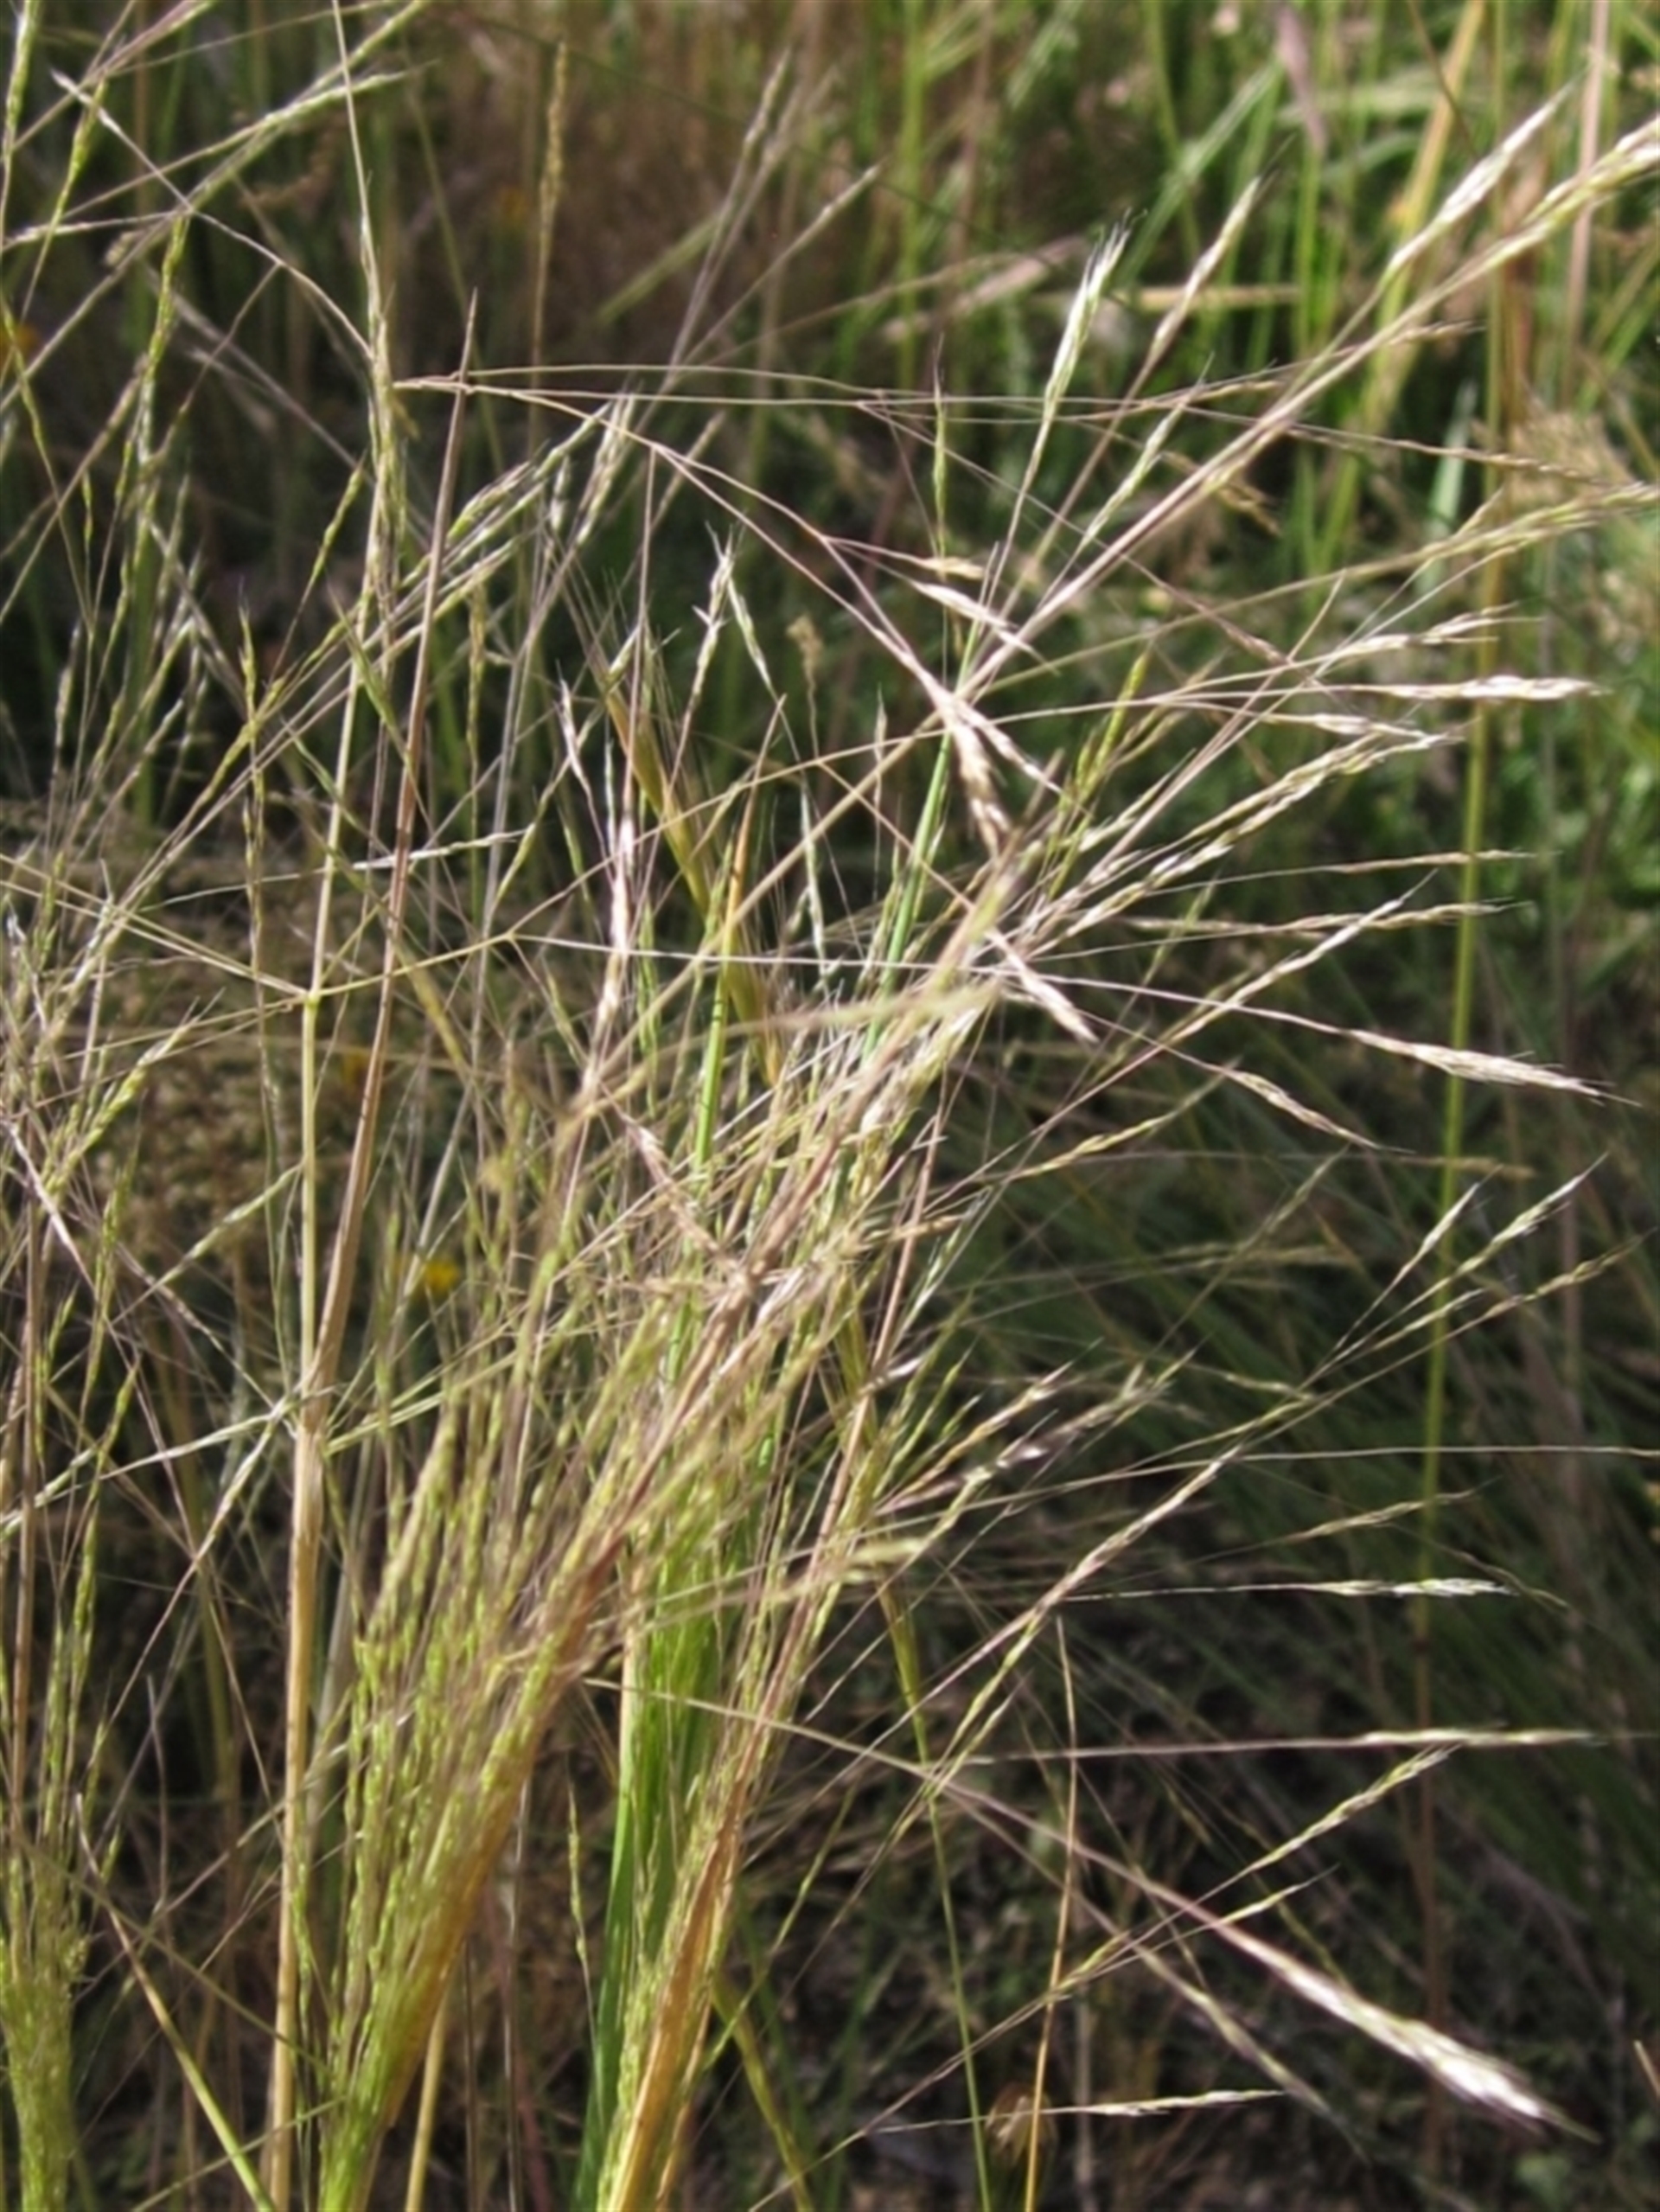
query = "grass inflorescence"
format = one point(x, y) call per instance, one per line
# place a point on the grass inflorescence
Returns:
point(827, 1272)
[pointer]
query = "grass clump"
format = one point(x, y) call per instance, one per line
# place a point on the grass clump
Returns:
point(800, 1303)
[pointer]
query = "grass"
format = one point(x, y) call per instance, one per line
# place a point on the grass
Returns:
point(816, 1373)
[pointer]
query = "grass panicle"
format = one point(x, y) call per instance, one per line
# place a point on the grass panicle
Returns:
point(824, 1277)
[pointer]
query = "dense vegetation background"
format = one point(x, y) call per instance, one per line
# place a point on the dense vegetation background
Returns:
point(828, 1283)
